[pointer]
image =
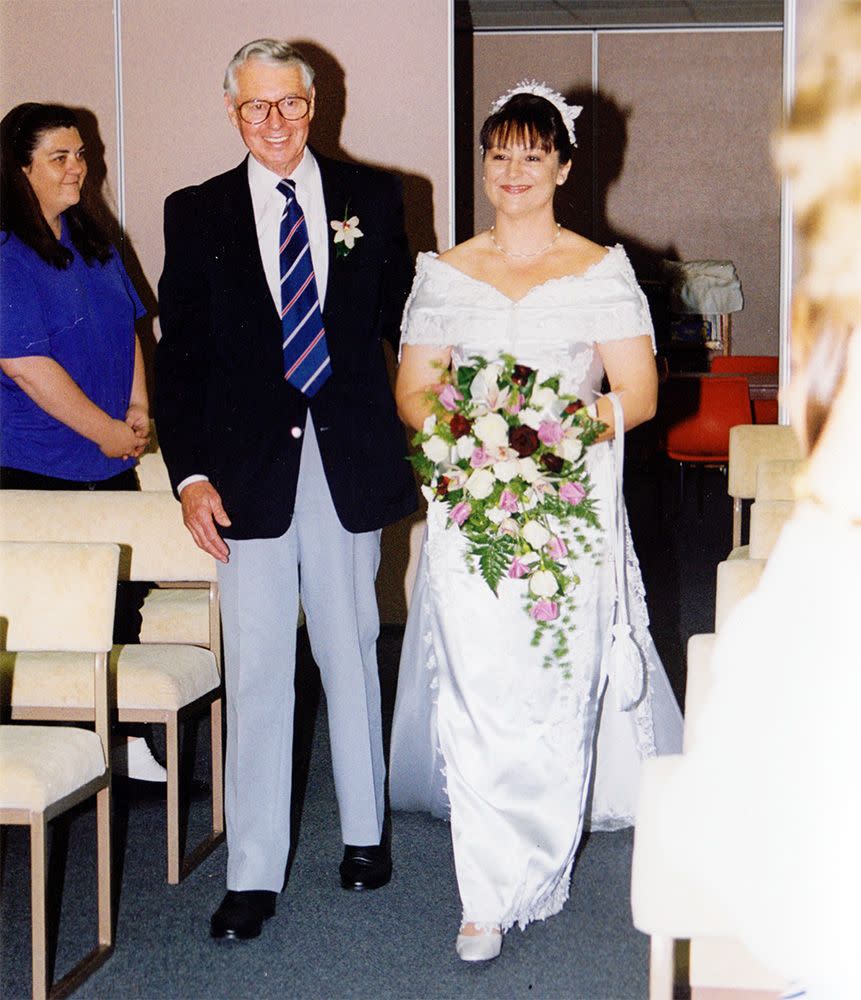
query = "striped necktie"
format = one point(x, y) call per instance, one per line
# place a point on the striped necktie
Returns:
point(306, 353)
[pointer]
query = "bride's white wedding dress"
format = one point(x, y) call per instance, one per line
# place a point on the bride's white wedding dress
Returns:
point(483, 733)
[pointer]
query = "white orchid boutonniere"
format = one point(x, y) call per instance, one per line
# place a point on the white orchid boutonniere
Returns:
point(346, 233)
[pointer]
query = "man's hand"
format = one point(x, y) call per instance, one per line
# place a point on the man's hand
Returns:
point(201, 511)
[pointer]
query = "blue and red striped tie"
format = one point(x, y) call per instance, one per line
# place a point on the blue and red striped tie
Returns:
point(306, 353)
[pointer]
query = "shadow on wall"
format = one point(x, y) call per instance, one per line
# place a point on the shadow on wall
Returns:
point(330, 83)
point(100, 201)
point(602, 139)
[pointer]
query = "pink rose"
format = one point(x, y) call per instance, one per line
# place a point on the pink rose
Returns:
point(460, 512)
point(449, 396)
point(515, 403)
point(573, 493)
point(518, 568)
point(556, 548)
point(544, 610)
point(508, 501)
point(480, 457)
point(550, 432)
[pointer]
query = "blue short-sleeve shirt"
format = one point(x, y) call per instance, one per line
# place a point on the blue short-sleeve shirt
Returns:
point(82, 317)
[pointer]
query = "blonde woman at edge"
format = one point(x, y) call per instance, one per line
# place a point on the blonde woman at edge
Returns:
point(488, 734)
point(765, 808)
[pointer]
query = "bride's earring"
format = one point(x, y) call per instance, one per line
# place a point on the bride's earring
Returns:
point(478, 945)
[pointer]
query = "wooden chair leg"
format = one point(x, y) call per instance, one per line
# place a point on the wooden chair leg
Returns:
point(661, 968)
point(105, 867)
point(216, 746)
point(38, 905)
point(173, 846)
point(736, 522)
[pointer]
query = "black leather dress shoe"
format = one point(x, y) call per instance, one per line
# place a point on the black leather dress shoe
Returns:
point(366, 867)
point(241, 914)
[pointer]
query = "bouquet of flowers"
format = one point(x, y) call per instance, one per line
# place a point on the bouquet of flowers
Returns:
point(504, 449)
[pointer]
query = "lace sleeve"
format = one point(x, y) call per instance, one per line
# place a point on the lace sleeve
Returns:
point(423, 321)
point(627, 313)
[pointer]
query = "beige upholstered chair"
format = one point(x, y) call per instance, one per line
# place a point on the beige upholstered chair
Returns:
point(59, 597)
point(767, 518)
point(162, 683)
point(152, 472)
point(736, 578)
point(664, 904)
point(775, 480)
point(749, 446)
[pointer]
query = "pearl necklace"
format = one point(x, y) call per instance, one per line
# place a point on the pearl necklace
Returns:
point(535, 253)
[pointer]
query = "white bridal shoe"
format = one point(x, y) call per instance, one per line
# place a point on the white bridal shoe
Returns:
point(479, 947)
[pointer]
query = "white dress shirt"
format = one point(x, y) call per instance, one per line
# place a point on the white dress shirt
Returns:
point(268, 204)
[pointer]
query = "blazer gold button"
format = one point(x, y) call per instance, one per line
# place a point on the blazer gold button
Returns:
point(296, 432)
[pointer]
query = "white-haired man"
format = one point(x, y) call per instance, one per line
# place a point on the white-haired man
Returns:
point(281, 279)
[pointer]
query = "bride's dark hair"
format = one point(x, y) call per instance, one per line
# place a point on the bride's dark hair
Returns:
point(527, 120)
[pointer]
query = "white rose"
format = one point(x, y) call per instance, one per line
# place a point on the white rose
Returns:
point(507, 470)
point(429, 424)
point(528, 469)
point(543, 583)
point(535, 533)
point(508, 527)
point(531, 417)
point(496, 515)
point(428, 493)
point(464, 446)
point(542, 398)
point(480, 484)
point(569, 448)
point(436, 449)
point(491, 430)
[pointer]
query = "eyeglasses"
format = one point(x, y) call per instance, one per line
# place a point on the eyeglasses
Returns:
point(290, 108)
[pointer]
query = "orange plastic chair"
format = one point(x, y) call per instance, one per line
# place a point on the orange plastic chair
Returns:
point(764, 410)
point(697, 416)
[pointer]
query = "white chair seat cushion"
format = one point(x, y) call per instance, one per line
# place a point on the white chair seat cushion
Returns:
point(41, 764)
point(176, 614)
point(158, 676)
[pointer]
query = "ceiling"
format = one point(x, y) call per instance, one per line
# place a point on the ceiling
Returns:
point(537, 14)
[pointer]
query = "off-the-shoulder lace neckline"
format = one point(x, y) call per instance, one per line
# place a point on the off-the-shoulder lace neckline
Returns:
point(430, 255)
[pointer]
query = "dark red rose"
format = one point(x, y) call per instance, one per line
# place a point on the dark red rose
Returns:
point(574, 406)
point(442, 487)
point(552, 462)
point(520, 375)
point(523, 440)
point(460, 425)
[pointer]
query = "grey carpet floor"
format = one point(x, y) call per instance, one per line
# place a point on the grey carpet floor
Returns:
point(396, 942)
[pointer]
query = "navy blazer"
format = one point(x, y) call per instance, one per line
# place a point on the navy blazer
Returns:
point(222, 405)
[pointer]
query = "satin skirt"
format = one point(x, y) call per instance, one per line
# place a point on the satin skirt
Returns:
point(488, 737)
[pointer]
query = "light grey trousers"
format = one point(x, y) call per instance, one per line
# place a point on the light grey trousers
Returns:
point(334, 571)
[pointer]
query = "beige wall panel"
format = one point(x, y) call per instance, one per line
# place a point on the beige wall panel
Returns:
point(63, 51)
point(382, 98)
point(564, 62)
point(696, 175)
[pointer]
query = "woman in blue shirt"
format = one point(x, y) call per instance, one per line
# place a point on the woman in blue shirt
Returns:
point(73, 399)
point(73, 403)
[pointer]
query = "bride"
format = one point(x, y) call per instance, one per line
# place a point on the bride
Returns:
point(482, 730)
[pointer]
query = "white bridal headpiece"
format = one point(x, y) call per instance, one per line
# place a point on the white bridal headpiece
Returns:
point(568, 111)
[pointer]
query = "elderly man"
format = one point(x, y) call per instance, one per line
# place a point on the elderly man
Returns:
point(281, 279)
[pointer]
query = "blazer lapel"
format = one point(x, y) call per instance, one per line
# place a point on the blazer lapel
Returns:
point(335, 197)
point(238, 238)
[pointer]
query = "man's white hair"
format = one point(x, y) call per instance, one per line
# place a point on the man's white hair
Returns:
point(268, 50)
